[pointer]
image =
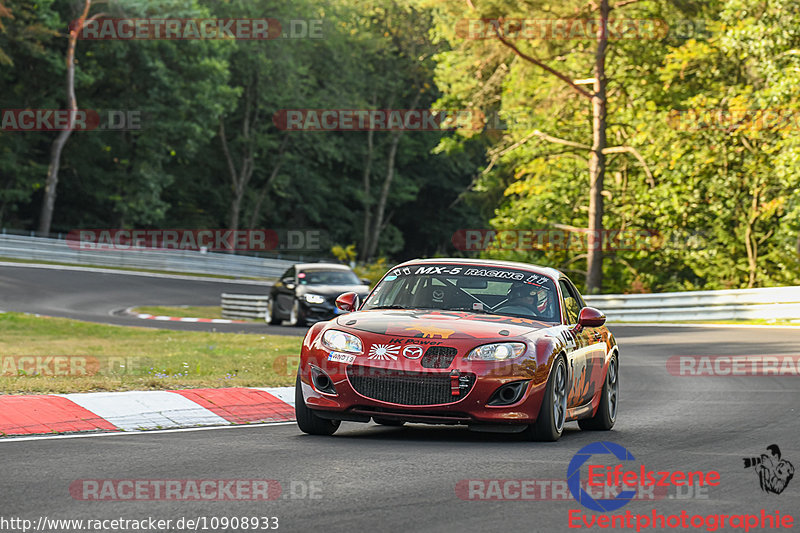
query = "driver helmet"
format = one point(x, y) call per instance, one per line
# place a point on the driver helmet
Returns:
point(525, 290)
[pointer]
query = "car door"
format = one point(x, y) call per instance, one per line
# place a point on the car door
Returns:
point(587, 359)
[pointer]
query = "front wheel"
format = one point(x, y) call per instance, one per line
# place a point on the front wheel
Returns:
point(549, 424)
point(270, 314)
point(296, 317)
point(606, 414)
point(307, 420)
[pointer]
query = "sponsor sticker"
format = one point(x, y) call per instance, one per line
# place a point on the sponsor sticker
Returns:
point(384, 352)
point(432, 331)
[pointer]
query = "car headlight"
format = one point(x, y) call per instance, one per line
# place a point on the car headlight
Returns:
point(497, 352)
point(340, 341)
point(314, 299)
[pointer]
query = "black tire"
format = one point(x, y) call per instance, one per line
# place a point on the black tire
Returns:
point(606, 414)
point(388, 422)
point(549, 424)
point(307, 421)
point(270, 318)
point(296, 317)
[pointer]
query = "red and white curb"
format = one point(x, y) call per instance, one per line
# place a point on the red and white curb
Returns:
point(187, 319)
point(143, 410)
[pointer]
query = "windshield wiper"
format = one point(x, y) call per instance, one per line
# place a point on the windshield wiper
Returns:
point(388, 307)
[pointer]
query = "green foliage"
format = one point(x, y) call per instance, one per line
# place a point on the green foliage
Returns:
point(719, 188)
point(345, 254)
point(723, 198)
point(173, 172)
point(373, 271)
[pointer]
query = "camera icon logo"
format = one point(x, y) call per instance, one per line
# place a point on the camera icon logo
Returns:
point(774, 473)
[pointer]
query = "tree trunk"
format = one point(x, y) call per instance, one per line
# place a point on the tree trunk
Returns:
point(240, 179)
point(256, 214)
point(367, 178)
point(377, 221)
point(49, 200)
point(387, 185)
point(597, 162)
point(750, 242)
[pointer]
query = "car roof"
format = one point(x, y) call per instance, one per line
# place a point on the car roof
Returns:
point(321, 266)
point(547, 271)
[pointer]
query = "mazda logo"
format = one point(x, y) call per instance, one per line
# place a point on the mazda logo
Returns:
point(412, 351)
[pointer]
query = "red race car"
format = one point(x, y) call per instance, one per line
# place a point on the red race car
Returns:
point(495, 345)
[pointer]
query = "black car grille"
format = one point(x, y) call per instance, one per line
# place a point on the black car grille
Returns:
point(438, 357)
point(405, 387)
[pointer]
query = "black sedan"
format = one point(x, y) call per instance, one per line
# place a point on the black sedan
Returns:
point(307, 293)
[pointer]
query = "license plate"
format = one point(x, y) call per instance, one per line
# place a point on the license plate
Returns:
point(345, 358)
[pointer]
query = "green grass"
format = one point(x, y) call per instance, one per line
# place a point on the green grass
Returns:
point(128, 358)
point(214, 311)
point(130, 269)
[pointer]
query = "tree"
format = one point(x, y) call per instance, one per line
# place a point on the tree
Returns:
point(46, 216)
point(488, 59)
point(32, 61)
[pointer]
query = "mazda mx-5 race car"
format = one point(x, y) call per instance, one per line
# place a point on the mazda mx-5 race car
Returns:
point(495, 345)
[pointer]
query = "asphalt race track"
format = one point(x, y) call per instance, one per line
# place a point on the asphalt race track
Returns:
point(373, 478)
point(101, 297)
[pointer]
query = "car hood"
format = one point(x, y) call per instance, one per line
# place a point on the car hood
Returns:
point(333, 290)
point(439, 324)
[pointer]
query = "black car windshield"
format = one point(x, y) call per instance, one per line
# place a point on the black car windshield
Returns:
point(478, 289)
point(328, 277)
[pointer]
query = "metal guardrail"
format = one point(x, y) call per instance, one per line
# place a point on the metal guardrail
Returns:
point(768, 303)
point(57, 250)
point(244, 305)
point(774, 302)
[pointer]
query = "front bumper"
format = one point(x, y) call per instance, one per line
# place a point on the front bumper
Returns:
point(319, 312)
point(354, 401)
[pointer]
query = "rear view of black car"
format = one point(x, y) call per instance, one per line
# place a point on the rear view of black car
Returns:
point(307, 292)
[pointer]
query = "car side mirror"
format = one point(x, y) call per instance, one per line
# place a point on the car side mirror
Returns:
point(288, 282)
point(365, 281)
point(589, 317)
point(348, 302)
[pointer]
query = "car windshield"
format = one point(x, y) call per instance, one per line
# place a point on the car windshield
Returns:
point(328, 277)
point(478, 289)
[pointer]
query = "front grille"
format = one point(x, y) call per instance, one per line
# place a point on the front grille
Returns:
point(438, 357)
point(406, 387)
